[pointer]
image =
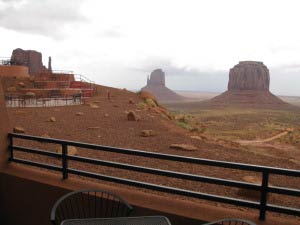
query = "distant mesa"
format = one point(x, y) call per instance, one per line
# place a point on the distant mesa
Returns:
point(156, 85)
point(249, 75)
point(30, 58)
point(248, 85)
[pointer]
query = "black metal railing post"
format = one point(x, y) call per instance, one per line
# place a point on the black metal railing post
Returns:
point(10, 147)
point(64, 160)
point(264, 195)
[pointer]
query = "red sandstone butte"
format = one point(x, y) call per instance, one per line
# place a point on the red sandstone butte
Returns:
point(157, 86)
point(248, 86)
point(31, 59)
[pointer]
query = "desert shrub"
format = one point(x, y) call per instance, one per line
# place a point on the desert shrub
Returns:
point(141, 105)
point(202, 129)
point(183, 125)
point(150, 102)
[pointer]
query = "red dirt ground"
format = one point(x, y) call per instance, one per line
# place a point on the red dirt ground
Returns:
point(116, 130)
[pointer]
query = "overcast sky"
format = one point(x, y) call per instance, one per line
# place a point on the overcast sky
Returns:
point(118, 43)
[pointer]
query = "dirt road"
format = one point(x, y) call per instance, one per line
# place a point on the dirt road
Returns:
point(251, 142)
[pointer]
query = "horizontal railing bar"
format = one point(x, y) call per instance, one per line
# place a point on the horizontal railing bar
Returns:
point(41, 165)
point(37, 151)
point(208, 162)
point(283, 190)
point(167, 189)
point(187, 193)
point(167, 173)
point(283, 209)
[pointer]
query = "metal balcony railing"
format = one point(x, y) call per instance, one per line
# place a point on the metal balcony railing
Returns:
point(5, 61)
point(264, 188)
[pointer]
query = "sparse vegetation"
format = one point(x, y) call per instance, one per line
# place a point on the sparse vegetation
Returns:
point(248, 124)
point(183, 125)
point(150, 102)
point(292, 138)
point(141, 105)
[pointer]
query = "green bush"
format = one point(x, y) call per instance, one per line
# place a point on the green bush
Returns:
point(183, 125)
point(141, 105)
point(150, 102)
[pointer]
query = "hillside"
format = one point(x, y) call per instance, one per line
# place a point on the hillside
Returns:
point(103, 121)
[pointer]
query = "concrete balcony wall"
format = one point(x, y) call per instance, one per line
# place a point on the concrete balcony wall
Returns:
point(28, 194)
point(27, 201)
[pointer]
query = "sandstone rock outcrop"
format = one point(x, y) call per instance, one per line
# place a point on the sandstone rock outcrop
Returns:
point(249, 75)
point(147, 133)
point(248, 86)
point(184, 147)
point(94, 106)
point(31, 59)
point(19, 130)
point(131, 116)
point(157, 78)
point(157, 86)
point(52, 119)
point(79, 114)
point(50, 64)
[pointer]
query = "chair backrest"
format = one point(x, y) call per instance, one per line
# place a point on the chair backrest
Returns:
point(231, 222)
point(89, 204)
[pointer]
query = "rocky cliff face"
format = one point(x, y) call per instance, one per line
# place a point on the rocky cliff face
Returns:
point(156, 85)
point(248, 86)
point(249, 75)
point(157, 78)
point(31, 59)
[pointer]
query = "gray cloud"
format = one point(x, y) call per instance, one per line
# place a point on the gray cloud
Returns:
point(287, 68)
point(47, 17)
point(185, 78)
point(173, 70)
point(285, 79)
point(110, 33)
point(150, 63)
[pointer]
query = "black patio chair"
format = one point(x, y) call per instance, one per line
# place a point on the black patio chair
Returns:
point(89, 204)
point(231, 222)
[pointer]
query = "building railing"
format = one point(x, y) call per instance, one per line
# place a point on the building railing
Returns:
point(264, 188)
point(62, 72)
point(5, 61)
point(82, 78)
point(24, 101)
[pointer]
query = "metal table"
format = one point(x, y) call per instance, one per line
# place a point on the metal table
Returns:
point(146, 220)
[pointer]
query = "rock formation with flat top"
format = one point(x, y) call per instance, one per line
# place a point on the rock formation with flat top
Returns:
point(156, 85)
point(31, 59)
point(249, 75)
point(248, 86)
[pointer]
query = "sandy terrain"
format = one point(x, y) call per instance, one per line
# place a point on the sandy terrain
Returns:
point(115, 130)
